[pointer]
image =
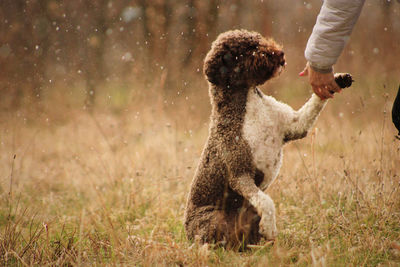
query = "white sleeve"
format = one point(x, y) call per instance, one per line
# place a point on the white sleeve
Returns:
point(334, 25)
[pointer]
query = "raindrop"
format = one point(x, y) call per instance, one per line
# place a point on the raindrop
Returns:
point(127, 56)
point(130, 13)
point(36, 47)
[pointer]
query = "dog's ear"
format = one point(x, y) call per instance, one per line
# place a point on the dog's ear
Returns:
point(217, 68)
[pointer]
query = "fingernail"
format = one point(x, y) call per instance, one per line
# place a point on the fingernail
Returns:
point(301, 73)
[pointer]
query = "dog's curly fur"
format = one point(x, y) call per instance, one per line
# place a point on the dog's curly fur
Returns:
point(243, 153)
point(242, 59)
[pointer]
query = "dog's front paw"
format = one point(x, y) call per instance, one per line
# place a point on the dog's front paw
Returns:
point(268, 227)
point(344, 80)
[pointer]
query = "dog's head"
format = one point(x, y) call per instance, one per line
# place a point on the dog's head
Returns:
point(241, 58)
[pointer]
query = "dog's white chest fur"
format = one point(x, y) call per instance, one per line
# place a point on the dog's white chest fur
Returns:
point(262, 131)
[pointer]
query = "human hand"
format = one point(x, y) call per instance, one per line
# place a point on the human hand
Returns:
point(323, 84)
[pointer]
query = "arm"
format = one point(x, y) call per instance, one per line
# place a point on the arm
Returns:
point(334, 25)
point(330, 34)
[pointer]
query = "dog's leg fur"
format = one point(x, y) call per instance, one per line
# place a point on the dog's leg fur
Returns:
point(301, 121)
point(263, 204)
point(212, 225)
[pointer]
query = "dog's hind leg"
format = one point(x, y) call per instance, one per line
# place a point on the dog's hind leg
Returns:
point(207, 225)
point(247, 223)
point(215, 226)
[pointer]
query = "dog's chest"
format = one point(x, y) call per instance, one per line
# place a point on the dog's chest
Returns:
point(261, 130)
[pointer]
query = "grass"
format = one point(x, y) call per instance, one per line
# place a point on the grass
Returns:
point(109, 188)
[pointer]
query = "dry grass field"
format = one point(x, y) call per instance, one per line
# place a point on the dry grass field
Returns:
point(109, 187)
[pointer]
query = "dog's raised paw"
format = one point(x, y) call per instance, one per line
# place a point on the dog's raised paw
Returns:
point(344, 80)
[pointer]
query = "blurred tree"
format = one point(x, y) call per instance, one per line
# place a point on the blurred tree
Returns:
point(190, 34)
point(147, 32)
point(50, 44)
point(28, 38)
point(95, 48)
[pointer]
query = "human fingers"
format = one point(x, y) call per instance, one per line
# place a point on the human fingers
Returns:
point(335, 87)
point(317, 90)
point(327, 91)
point(323, 92)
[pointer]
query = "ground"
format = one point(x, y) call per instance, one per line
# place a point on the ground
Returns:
point(110, 187)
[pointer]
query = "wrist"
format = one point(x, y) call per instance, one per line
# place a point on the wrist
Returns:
point(320, 69)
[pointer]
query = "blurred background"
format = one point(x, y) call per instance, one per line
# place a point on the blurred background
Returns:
point(113, 53)
point(104, 112)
